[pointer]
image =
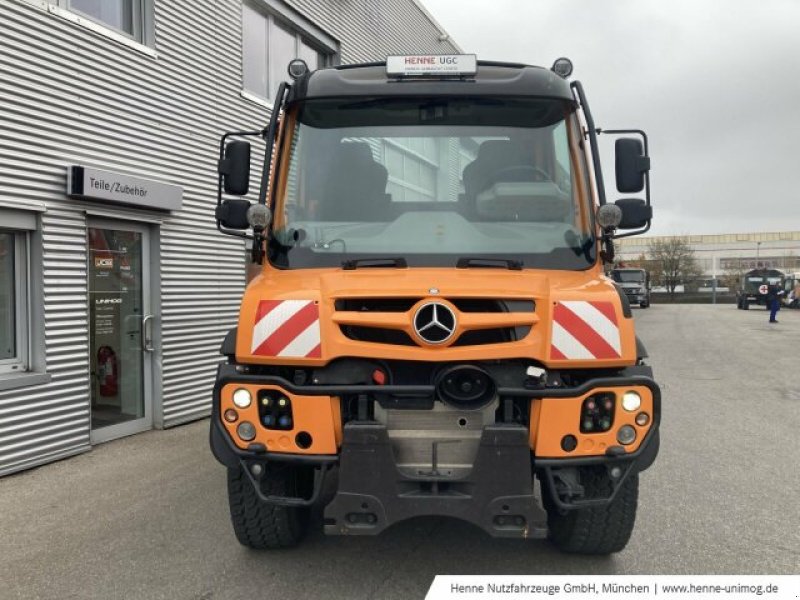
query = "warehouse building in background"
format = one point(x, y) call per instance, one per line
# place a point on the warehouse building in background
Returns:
point(724, 254)
point(115, 287)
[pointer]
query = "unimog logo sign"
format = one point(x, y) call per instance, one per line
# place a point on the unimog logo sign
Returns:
point(96, 184)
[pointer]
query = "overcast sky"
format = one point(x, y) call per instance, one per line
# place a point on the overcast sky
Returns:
point(714, 83)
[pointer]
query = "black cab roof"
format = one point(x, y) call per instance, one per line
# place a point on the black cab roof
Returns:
point(371, 80)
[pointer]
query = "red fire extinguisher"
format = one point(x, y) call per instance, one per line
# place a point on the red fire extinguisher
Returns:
point(107, 370)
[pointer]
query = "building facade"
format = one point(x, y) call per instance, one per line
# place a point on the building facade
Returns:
point(730, 253)
point(115, 287)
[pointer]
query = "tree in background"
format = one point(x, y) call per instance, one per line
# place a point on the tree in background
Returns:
point(673, 262)
point(733, 273)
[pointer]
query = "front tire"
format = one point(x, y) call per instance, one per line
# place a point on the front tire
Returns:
point(264, 526)
point(596, 530)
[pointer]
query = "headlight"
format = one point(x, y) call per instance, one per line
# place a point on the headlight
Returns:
point(631, 401)
point(242, 398)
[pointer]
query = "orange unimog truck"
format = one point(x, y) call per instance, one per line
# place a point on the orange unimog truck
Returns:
point(431, 331)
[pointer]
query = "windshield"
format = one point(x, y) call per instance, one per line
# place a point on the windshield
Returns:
point(432, 182)
point(628, 276)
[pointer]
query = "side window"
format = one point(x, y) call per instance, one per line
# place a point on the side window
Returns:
point(13, 301)
point(268, 45)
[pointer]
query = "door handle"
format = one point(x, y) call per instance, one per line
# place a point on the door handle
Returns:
point(147, 334)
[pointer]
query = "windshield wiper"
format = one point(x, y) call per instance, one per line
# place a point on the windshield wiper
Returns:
point(349, 265)
point(489, 263)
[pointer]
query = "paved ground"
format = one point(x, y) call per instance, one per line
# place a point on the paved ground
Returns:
point(146, 517)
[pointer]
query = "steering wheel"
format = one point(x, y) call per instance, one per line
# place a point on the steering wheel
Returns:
point(518, 173)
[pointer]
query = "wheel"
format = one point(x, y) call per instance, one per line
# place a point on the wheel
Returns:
point(259, 525)
point(739, 304)
point(596, 530)
point(644, 305)
point(745, 304)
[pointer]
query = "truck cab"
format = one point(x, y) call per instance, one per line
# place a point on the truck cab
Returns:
point(635, 283)
point(754, 286)
point(431, 329)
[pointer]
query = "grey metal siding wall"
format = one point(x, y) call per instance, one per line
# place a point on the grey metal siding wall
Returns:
point(70, 95)
point(73, 96)
point(369, 30)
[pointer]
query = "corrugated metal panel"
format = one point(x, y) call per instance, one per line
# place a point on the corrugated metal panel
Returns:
point(38, 425)
point(369, 30)
point(73, 96)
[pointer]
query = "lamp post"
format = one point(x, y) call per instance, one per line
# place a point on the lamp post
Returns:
point(758, 248)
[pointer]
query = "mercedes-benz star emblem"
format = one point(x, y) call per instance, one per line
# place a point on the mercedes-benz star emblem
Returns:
point(435, 323)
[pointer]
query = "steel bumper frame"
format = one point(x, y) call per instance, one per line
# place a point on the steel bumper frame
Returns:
point(497, 495)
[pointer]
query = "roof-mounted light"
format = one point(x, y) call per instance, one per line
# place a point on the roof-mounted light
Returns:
point(432, 65)
point(297, 68)
point(562, 67)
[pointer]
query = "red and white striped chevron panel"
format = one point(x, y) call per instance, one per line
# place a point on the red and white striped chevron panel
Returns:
point(287, 329)
point(585, 331)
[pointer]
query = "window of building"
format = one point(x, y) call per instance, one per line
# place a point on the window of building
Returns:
point(268, 45)
point(13, 301)
point(133, 18)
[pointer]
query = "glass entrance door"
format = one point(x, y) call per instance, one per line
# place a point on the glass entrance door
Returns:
point(120, 329)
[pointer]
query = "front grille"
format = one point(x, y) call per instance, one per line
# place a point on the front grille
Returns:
point(466, 305)
point(375, 333)
point(391, 305)
point(498, 335)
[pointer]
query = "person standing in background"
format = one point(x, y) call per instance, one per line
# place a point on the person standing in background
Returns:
point(773, 301)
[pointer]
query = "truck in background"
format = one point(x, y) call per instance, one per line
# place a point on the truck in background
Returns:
point(635, 283)
point(753, 287)
point(791, 289)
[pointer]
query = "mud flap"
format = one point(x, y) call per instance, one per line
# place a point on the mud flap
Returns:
point(497, 495)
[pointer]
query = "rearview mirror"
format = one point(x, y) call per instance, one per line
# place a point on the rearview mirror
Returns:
point(631, 165)
point(635, 213)
point(235, 168)
point(232, 214)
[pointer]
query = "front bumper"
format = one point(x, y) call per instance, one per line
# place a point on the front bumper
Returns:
point(636, 298)
point(497, 495)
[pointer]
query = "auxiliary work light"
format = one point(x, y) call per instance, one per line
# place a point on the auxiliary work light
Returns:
point(609, 216)
point(562, 67)
point(297, 68)
point(259, 215)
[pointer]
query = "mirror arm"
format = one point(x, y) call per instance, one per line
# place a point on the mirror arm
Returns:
point(577, 90)
point(269, 134)
point(608, 252)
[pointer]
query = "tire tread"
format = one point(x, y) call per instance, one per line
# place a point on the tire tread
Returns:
point(596, 530)
point(259, 525)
